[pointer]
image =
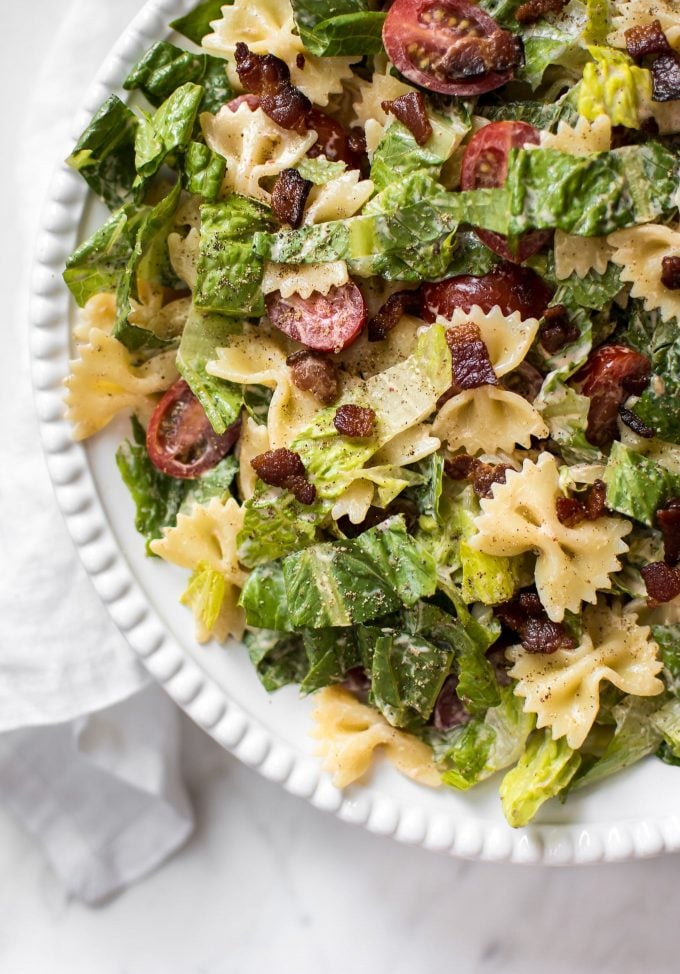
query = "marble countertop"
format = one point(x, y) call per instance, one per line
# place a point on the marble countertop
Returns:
point(268, 883)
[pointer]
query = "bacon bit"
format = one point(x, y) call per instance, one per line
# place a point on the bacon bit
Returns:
point(356, 140)
point(283, 468)
point(355, 421)
point(289, 196)
point(313, 372)
point(633, 421)
point(557, 330)
point(482, 475)
point(611, 374)
point(391, 313)
point(472, 56)
point(533, 10)
point(449, 710)
point(411, 110)
point(268, 77)
point(470, 358)
point(538, 634)
point(572, 510)
point(460, 467)
point(670, 273)
point(376, 515)
point(666, 78)
point(662, 581)
point(645, 40)
point(525, 380)
point(300, 61)
point(668, 520)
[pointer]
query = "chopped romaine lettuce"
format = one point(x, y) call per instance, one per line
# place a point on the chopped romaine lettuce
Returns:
point(548, 41)
point(104, 155)
point(636, 485)
point(202, 335)
point(279, 658)
point(164, 68)
point(99, 263)
point(204, 595)
point(196, 24)
point(320, 170)
point(398, 154)
point(538, 113)
point(215, 482)
point(344, 28)
point(613, 85)
point(167, 131)
point(544, 770)
point(330, 654)
point(666, 721)
point(275, 524)
point(593, 291)
point(264, 598)
point(203, 171)
point(667, 638)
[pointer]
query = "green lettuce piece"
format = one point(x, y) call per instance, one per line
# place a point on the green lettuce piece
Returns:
point(264, 598)
point(613, 85)
point(215, 482)
point(593, 291)
point(659, 340)
point(490, 579)
point(470, 255)
point(99, 263)
point(544, 770)
point(204, 595)
point(203, 334)
point(203, 171)
point(541, 114)
point(164, 68)
point(196, 24)
point(427, 496)
point(167, 132)
point(635, 737)
point(398, 154)
point(343, 582)
point(278, 658)
point(668, 639)
point(149, 262)
point(332, 28)
point(156, 496)
point(636, 485)
point(330, 654)
point(275, 523)
point(229, 272)
point(320, 170)
point(598, 21)
point(551, 41)
point(666, 721)
point(470, 754)
point(330, 458)
point(660, 413)
point(104, 155)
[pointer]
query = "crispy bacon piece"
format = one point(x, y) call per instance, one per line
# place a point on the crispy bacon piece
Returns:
point(662, 581)
point(668, 521)
point(376, 515)
point(557, 330)
point(470, 358)
point(572, 510)
point(351, 420)
point(313, 372)
point(633, 422)
point(666, 78)
point(646, 40)
point(670, 273)
point(471, 56)
point(289, 196)
point(356, 141)
point(268, 77)
point(283, 468)
point(533, 10)
point(449, 711)
point(538, 634)
point(482, 475)
point(411, 110)
point(390, 314)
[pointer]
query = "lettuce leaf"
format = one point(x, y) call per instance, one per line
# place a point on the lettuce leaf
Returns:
point(264, 598)
point(566, 413)
point(398, 154)
point(541, 114)
point(229, 273)
point(330, 654)
point(636, 485)
point(544, 770)
point(164, 68)
point(554, 40)
point(202, 171)
point(659, 340)
point(275, 524)
point(666, 721)
point(470, 754)
point(104, 155)
point(196, 24)
point(215, 482)
point(489, 579)
point(613, 85)
point(278, 658)
point(345, 28)
point(667, 638)
point(344, 582)
point(204, 595)
point(167, 132)
point(320, 170)
point(203, 334)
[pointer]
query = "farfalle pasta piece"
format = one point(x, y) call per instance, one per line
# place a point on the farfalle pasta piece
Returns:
point(580, 255)
point(98, 313)
point(253, 441)
point(259, 358)
point(338, 199)
point(165, 321)
point(254, 146)
point(303, 279)
point(572, 564)
point(369, 358)
point(412, 445)
point(268, 27)
point(639, 253)
point(638, 13)
point(367, 105)
point(183, 254)
point(508, 338)
point(488, 420)
point(581, 139)
point(103, 382)
point(354, 501)
point(349, 733)
point(563, 688)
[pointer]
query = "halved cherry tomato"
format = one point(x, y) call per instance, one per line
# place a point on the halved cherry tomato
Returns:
point(485, 166)
point(610, 375)
point(333, 141)
point(324, 322)
point(450, 46)
point(180, 440)
point(509, 286)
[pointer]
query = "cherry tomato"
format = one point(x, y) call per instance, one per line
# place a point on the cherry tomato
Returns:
point(324, 322)
point(252, 101)
point(450, 46)
point(180, 440)
point(509, 286)
point(610, 375)
point(485, 166)
point(333, 141)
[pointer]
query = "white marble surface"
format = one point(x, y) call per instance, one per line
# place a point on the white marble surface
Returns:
point(268, 883)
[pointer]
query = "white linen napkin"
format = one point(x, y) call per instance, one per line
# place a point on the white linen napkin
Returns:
point(97, 784)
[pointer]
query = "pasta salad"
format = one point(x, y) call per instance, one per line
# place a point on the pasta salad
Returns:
point(391, 295)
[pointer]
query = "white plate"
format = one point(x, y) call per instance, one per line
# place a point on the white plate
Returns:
point(634, 814)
